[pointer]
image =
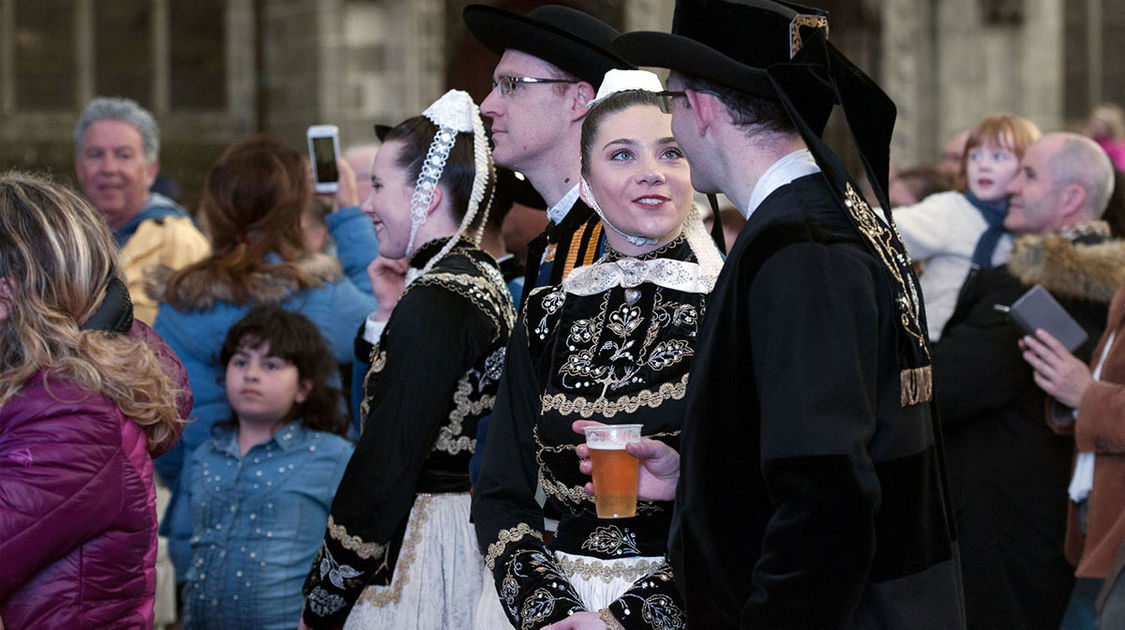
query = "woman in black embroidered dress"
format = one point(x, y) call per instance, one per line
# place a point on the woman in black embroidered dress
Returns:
point(399, 551)
point(612, 343)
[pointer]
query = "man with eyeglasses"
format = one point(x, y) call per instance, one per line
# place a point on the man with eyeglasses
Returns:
point(552, 61)
point(810, 487)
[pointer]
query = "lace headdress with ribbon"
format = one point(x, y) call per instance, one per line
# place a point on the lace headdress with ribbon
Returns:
point(453, 113)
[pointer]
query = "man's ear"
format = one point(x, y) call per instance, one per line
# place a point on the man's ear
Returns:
point(583, 94)
point(703, 109)
point(1072, 199)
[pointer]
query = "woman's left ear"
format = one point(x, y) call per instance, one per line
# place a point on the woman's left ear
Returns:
point(435, 201)
point(304, 388)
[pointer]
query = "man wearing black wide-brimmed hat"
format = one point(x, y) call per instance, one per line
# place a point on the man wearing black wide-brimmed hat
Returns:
point(552, 62)
point(812, 490)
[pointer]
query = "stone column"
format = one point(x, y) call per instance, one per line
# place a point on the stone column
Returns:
point(1043, 49)
point(416, 61)
point(961, 94)
point(908, 77)
point(292, 67)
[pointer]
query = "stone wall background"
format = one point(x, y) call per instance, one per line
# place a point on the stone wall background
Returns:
point(214, 71)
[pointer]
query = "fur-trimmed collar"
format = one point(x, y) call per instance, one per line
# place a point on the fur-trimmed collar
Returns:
point(200, 290)
point(1070, 269)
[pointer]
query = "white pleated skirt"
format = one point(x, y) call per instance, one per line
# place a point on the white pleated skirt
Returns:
point(598, 584)
point(437, 579)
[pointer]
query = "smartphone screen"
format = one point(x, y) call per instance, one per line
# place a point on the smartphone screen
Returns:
point(325, 155)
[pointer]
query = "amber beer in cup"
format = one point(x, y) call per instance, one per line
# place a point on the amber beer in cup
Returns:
point(615, 470)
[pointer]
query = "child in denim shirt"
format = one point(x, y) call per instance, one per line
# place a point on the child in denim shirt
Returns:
point(261, 487)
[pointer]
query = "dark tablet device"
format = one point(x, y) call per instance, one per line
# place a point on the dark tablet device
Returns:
point(1038, 309)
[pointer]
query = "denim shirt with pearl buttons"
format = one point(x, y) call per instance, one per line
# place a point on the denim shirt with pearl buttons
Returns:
point(257, 522)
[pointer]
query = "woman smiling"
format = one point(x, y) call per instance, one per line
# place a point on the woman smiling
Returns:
point(612, 343)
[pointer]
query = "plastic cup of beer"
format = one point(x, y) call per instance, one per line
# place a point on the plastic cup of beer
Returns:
point(615, 470)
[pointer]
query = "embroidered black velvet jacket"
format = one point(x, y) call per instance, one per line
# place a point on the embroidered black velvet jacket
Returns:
point(618, 355)
point(433, 376)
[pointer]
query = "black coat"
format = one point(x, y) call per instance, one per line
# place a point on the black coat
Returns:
point(434, 374)
point(810, 495)
point(1009, 472)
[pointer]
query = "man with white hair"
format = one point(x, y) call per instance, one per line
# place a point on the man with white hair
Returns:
point(116, 158)
point(1009, 471)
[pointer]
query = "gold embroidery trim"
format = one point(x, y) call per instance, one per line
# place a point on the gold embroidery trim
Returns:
point(795, 41)
point(880, 237)
point(380, 596)
point(449, 439)
point(505, 536)
point(378, 362)
point(609, 408)
point(609, 620)
point(563, 492)
point(916, 384)
point(365, 550)
point(607, 570)
point(489, 293)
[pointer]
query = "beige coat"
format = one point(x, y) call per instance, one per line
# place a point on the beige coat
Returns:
point(172, 242)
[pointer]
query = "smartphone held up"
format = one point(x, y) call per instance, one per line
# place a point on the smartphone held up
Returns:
point(324, 152)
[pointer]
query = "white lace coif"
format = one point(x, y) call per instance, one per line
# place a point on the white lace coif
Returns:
point(453, 113)
point(621, 80)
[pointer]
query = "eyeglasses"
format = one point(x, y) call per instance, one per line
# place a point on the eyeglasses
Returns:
point(666, 100)
point(505, 85)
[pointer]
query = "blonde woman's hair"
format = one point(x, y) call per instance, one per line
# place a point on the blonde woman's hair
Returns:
point(57, 255)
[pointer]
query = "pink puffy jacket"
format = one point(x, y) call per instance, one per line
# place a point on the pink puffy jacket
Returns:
point(77, 507)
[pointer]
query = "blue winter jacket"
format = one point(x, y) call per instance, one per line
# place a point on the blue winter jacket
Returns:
point(337, 308)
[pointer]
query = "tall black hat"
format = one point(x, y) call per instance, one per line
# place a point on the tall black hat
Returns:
point(779, 51)
point(577, 42)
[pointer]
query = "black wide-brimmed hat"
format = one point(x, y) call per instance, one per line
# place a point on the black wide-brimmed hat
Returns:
point(779, 51)
point(576, 42)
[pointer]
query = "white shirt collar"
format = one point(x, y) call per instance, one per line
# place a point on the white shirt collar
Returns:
point(793, 166)
point(558, 212)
